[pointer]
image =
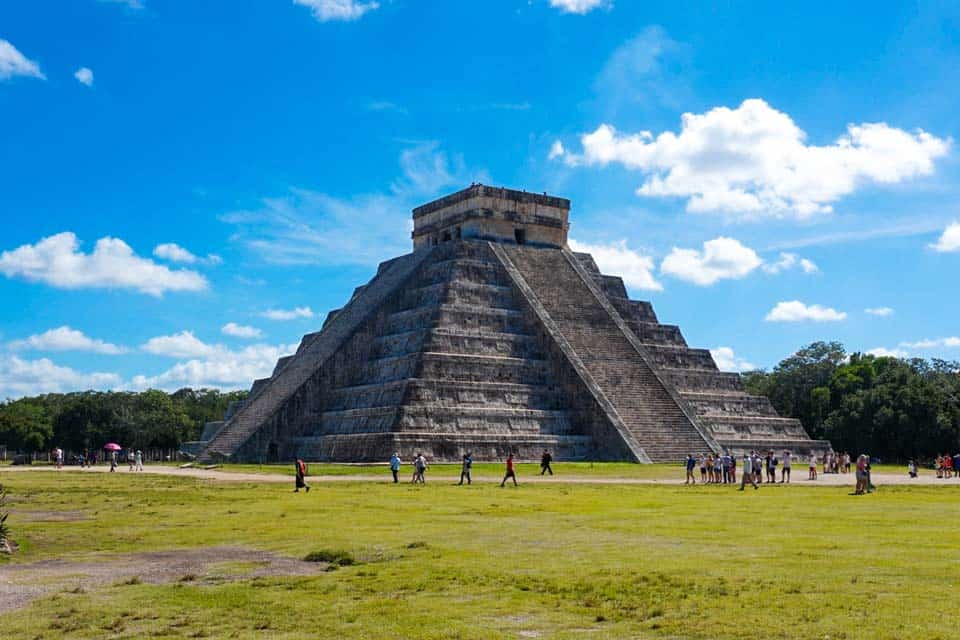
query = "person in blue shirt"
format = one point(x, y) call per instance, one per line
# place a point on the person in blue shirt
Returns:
point(691, 465)
point(467, 468)
point(956, 465)
point(395, 467)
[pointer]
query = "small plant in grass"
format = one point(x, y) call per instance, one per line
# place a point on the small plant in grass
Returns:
point(336, 557)
point(419, 544)
point(5, 546)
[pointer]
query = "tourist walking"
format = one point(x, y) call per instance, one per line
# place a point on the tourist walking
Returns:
point(58, 457)
point(138, 460)
point(746, 474)
point(861, 475)
point(511, 472)
point(771, 467)
point(813, 467)
point(395, 466)
point(956, 465)
point(912, 469)
point(419, 469)
point(545, 461)
point(691, 465)
point(785, 473)
point(466, 468)
point(301, 477)
point(131, 463)
point(113, 461)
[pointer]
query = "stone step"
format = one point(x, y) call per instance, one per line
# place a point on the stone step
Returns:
point(467, 317)
point(445, 393)
point(459, 292)
point(444, 419)
point(451, 340)
point(730, 403)
point(733, 427)
point(686, 380)
point(681, 357)
point(641, 401)
point(654, 333)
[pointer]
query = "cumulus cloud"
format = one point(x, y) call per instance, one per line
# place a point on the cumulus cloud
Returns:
point(883, 352)
point(949, 342)
point(580, 7)
point(58, 261)
point(796, 311)
point(721, 258)
point(288, 314)
point(66, 339)
point(556, 150)
point(329, 10)
point(84, 76)
point(13, 63)
point(175, 253)
point(788, 261)
point(179, 345)
point(616, 258)
point(754, 161)
point(727, 360)
point(879, 311)
point(239, 330)
point(950, 239)
point(20, 377)
point(220, 368)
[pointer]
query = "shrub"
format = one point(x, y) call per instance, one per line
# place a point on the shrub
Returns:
point(334, 557)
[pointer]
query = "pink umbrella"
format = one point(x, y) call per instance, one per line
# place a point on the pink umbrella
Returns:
point(112, 446)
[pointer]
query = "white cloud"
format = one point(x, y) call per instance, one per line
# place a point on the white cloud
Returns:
point(721, 258)
point(136, 5)
point(66, 339)
point(949, 342)
point(13, 63)
point(727, 360)
point(579, 7)
point(618, 259)
point(796, 311)
point(180, 345)
point(879, 311)
point(57, 261)
point(175, 253)
point(222, 368)
point(327, 10)
point(753, 161)
point(288, 314)
point(950, 239)
point(883, 352)
point(84, 76)
point(19, 377)
point(789, 261)
point(239, 330)
point(308, 227)
point(556, 150)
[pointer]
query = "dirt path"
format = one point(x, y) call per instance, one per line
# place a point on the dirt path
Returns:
point(22, 583)
point(441, 477)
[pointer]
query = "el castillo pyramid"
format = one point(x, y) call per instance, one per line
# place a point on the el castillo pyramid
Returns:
point(492, 336)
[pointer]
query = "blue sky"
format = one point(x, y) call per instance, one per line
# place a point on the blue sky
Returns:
point(188, 187)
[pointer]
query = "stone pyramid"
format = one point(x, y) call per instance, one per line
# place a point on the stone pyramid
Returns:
point(493, 337)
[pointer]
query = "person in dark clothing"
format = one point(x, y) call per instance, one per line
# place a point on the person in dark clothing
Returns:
point(545, 461)
point(301, 481)
point(466, 469)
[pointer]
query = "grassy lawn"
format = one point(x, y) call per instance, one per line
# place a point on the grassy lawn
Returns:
point(552, 561)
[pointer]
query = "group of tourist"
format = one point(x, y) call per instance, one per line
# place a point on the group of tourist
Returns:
point(722, 468)
point(88, 459)
point(947, 466)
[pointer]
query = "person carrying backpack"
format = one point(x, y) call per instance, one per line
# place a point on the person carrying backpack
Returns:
point(466, 468)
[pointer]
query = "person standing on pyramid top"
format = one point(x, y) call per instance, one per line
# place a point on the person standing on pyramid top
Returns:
point(301, 476)
point(545, 461)
point(511, 473)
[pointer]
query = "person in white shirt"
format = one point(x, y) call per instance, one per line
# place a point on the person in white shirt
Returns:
point(813, 467)
point(747, 474)
point(785, 474)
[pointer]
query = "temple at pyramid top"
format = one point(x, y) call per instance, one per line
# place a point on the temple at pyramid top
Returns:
point(492, 337)
point(493, 213)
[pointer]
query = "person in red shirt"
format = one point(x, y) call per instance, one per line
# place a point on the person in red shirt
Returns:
point(510, 472)
point(301, 481)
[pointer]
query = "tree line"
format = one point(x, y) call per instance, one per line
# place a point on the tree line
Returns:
point(147, 420)
point(892, 408)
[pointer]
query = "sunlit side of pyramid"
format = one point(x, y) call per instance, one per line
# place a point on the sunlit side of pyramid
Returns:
point(493, 337)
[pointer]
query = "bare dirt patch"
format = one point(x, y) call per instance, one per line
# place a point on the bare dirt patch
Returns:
point(22, 583)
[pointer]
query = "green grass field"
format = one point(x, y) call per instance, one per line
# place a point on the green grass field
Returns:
point(440, 561)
